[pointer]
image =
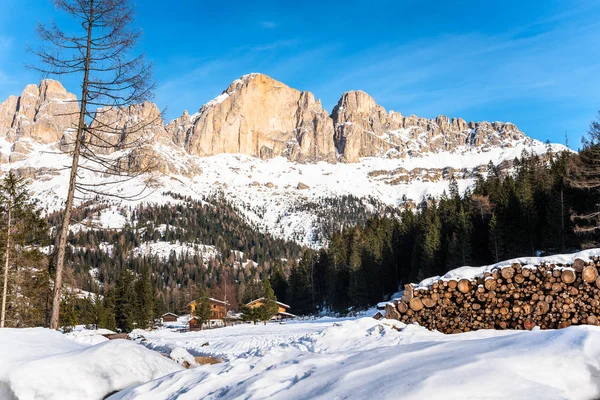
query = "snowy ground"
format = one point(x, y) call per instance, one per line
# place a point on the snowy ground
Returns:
point(327, 358)
point(319, 359)
point(364, 358)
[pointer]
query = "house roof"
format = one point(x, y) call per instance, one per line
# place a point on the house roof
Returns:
point(170, 313)
point(262, 298)
point(210, 299)
point(287, 314)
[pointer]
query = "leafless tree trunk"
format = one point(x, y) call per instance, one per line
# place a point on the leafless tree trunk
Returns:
point(6, 266)
point(110, 82)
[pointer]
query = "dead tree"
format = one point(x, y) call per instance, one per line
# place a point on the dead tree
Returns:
point(112, 79)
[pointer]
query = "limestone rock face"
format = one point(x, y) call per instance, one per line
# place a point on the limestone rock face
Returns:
point(180, 127)
point(364, 129)
point(127, 127)
point(262, 117)
point(42, 113)
point(257, 116)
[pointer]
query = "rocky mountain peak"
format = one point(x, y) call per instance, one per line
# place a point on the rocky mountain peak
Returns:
point(260, 116)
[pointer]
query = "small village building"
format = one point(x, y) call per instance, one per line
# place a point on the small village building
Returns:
point(282, 311)
point(169, 317)
point(218, 313)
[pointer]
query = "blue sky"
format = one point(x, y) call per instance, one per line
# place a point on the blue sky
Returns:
point(533, 63)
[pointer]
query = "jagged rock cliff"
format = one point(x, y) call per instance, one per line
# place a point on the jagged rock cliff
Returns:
point(256, 115)
point(41, 113)
point(262, 117)
point(364, 129)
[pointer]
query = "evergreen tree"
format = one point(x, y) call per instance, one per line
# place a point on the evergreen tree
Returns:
point(21, 227)
point(203, 311)
point(125, 300)
point(144, 306)
point(269, 305)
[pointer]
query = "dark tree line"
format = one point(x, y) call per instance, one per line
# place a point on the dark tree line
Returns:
point(526, 210)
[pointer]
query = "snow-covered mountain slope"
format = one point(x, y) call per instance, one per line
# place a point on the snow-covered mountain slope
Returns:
point(281, 197)
point(271, 151)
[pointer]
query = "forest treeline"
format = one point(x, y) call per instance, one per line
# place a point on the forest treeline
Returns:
point(543, 204)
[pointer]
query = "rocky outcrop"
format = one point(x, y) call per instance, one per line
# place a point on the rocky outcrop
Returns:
point(262, 117)
point(42, 113)
point(364, 129)
point(129, 127)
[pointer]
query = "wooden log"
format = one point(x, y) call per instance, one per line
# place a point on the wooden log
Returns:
point(415, 304)
point(578, 265)
point(402, 307)
point(519, 278)
point(452, 284)
point(556, 287)
point(490, 284)
point(391, 312)
point(592, 320)
point(429, 302)
point(464, 286)
point(542, 307)
point(409, 293)
point(589, 274)
point(529, 324)
point(507, 273)
point(568, 276)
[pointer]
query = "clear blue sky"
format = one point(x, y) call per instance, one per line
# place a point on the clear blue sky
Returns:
point(533, 63)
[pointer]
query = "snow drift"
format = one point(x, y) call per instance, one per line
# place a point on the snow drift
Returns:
point(39, 363)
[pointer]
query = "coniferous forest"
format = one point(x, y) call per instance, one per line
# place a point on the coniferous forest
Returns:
point(544, 204)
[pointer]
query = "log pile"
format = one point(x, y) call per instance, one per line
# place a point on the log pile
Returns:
point(512, 297)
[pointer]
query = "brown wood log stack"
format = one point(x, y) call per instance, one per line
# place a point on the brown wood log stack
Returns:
point(512, 297)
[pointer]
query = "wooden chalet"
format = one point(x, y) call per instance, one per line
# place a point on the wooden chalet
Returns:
point(169, 317)
point(218, 313)
point(282, 311)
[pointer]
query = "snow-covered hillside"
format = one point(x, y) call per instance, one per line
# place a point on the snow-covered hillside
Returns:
point(274, 194)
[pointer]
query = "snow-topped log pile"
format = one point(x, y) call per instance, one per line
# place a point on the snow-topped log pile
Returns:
point(509, 297)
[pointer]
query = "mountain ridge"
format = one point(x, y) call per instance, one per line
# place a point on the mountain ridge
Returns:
point(262, 117)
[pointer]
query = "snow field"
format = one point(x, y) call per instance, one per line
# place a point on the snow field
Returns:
point(365, 358)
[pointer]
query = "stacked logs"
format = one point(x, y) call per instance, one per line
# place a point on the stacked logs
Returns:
point(512, 297)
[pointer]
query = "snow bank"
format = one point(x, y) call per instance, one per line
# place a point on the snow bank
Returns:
point(42, 364)
point(88, 336)
point(365, 358)
point(475, 272)
point(181, 355)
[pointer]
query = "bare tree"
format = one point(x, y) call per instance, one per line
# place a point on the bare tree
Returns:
point(103, 140)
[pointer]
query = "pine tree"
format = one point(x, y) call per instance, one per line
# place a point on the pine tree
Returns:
point(270, 302)
point(125, 298)
point(203, 311)
point(144, 306)
point(22, 227)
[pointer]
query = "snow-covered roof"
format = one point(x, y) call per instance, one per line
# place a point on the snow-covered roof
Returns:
point(262, 299)
point(210, 299)
point(170, 313)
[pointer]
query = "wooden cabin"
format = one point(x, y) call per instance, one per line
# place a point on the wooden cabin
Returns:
point(282, 311)
point(218, 312)
point(169, 317)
